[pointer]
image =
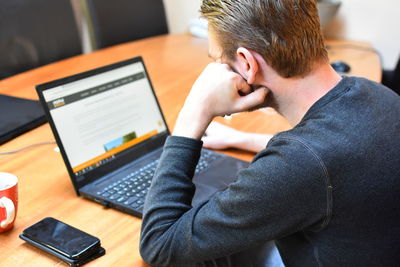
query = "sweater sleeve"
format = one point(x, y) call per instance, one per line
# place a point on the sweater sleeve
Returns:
point(284, 190)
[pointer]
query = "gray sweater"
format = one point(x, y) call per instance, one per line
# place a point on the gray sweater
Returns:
point(327, 191)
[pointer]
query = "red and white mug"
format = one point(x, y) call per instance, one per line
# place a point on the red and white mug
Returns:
point(8, 200)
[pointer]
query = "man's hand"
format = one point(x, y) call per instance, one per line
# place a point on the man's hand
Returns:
point(217, 92)
point(219, 136)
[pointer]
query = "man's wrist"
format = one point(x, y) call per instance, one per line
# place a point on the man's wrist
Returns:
point(191, 124)
point(252, 141)
point(239, 140)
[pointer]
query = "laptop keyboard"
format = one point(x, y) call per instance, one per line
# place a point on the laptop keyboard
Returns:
point(132, 189)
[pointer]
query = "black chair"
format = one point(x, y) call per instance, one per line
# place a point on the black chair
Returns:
point(35, 33)
point(391, 78)
point(119, 21)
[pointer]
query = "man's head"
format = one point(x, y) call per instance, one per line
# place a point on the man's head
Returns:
point(286, 33)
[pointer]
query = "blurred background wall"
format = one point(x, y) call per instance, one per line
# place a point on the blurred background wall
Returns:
point(376, 22)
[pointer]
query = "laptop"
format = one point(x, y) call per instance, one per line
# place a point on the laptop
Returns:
point(110, 129)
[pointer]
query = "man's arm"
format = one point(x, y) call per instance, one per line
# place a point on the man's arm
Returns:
point(283, 191)
point(219, 136)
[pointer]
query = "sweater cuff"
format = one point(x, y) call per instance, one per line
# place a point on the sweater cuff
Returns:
point(183, 142)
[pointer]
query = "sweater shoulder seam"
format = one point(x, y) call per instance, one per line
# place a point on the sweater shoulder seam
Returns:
point(329, 187)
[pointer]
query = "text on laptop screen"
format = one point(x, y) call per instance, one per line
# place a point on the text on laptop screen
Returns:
point(103, 115)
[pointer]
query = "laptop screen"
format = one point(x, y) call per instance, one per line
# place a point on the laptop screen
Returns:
point(99, 117)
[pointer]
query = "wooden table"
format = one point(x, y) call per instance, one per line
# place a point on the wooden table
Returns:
point(173, 62)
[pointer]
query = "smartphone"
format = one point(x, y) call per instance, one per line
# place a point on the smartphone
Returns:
point(73, 263)
point(62, 240)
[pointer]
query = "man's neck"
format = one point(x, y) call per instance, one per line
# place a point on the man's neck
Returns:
point(295, 96)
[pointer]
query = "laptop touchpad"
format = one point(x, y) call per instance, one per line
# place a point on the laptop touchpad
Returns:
point(216, 178)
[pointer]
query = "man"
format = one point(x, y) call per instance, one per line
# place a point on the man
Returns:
point(326, 191)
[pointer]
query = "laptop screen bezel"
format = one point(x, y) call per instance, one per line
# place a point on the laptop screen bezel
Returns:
point(126, 156)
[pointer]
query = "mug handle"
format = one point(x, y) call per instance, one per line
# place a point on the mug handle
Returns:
point(10, 211)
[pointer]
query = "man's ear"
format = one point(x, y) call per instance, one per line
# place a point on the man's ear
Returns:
point(248, 64)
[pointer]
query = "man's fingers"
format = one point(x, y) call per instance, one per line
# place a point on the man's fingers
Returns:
point(243, 87)
point(251, 100)
point(210, 142)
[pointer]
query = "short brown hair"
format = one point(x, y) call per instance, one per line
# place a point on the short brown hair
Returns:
point(286, 33)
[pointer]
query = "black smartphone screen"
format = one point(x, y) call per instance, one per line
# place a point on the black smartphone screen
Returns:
point(63, 238)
